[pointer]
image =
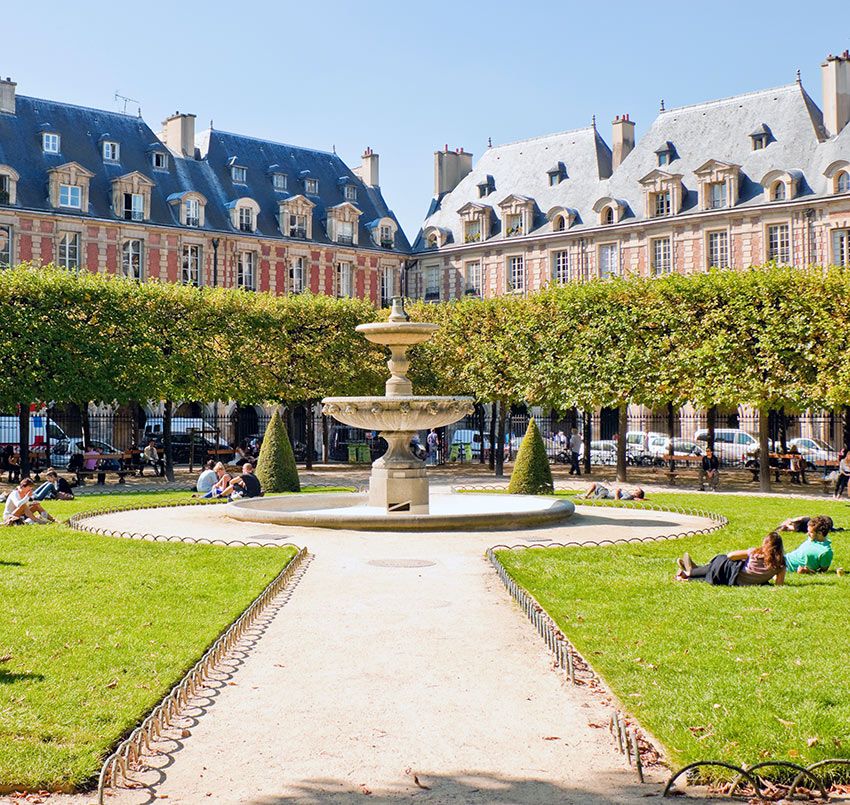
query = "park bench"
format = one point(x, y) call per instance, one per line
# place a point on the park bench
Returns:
point(780, 472)
point(671, 463)
point(124, 469)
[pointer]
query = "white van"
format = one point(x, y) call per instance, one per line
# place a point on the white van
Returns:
point(40, 428)
point(731, 445)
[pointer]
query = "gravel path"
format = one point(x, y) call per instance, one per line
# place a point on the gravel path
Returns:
point(399, 669)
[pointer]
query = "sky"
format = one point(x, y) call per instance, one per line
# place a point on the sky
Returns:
point(408, 78)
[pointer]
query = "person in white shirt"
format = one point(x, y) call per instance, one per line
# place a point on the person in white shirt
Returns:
point(22, 508)
point(150, 455)
point(576, 443)
point(207, 479)
point(843, 474)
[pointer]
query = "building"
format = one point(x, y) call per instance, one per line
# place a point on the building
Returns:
point(86, 188)
point(727, 183)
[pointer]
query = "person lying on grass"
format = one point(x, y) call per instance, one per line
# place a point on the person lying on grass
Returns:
point(815, 554)
point(599, 492)
point(739, 568)
point(22, 509)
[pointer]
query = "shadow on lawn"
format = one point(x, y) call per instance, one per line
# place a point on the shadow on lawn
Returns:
point(11, 564)
point(9, 678)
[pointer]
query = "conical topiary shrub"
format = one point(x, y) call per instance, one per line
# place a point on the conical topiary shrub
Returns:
point(532, 474)
point(276, 465)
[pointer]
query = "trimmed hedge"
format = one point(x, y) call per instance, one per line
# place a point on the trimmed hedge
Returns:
point(276, 465)
point(532, 474)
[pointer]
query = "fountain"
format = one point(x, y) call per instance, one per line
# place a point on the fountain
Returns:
point(399, 497)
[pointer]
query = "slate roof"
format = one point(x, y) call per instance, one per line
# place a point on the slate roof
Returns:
point(717, 130)
point(82, 131)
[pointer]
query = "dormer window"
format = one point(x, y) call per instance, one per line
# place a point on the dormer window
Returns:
point(666, 154)
point(295, 216)
point(486, 187)
point(279, 181)
point(777, 192)
point(471, 231)
point(343, 223)
point(246, 219)
point(8, 185)
point(842, 182)
point(387, 236)
point(134, 207)
point(111, 151)
point(483, 190)
point(50, 142)
point(70, 195)
point(190, 207)
point(608, 215)
point(159, 160)
point(311, 186)
point(5, 188)
point(344, 232)
point(661, 204)
point(297, 226)
point(350, 192)
point(761, 137)
point(664, 193)
point(193, 212)
point(718, 184)
point(244, 213)
point(717, 196)
point(239, 174)
point(562, 218)
point(513, 225)
point(780, 185)
point(517, 215)
point(557, 174)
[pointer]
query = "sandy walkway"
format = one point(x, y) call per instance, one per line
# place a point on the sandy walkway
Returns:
point(375, 672)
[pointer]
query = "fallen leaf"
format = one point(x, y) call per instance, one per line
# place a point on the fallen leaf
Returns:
point(793, 753)
point(185, 733)
point(364, 790)
point(784, 723)
point(551, 738)
point(112, 684)
point(812, 741)
point(6, 658)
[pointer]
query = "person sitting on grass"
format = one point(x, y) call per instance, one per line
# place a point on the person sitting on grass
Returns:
point(814, 555)
point(54, 488)
point(599, 492)
point(22, 509)
point(207, 479)
point(246, 485)
point(223, 482)
point(739, 568)
point(801, 524)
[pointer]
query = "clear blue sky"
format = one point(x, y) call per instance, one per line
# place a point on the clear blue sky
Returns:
point(407, 78)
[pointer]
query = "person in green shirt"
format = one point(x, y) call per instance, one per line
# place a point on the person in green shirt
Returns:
point(815, 554)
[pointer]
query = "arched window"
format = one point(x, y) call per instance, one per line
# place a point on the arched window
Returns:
point(608, 215)
point(842, 183)
point(778, 192)
point(560, 223)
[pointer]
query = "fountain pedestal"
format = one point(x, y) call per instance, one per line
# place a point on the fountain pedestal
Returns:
point(398, 482)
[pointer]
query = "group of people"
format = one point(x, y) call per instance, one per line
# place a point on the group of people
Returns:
point(768, 561)
point(23, 505)
point(216, 482)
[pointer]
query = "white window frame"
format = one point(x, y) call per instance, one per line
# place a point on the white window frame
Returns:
point(560, 262)
point(137, 207)
point(344, 232)
point(433, 290)
point(159, 160)
point(662, 204)
point(778, 191)
point(67, 196)
point(661, 255)
point(473, 278)
point(769, 247)
point(193, 212)
point(246, 219)
point(840, 243)
point(723, 201)
point(842, 178)
point(132, 259)
point(386, 236)
point(111, 151)
point(6, 253)
point(297, 270)
point(51, 143)
point(722, 261)
point(387, 280)
point(295, 229)
point(472, 230)
point(68, 251)
point(238, 174)
point(350, 192)
point(246, 271)
point(515, 276)
point(608, 248)
point(191, 262)
point(519, 229)
point(279, 181)
point(343, 276)
point(311, 186)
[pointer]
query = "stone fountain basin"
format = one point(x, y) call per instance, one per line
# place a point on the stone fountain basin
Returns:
point(398, 413)
point(452, 512)
point(405, 333)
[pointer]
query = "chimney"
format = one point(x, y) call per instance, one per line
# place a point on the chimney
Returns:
point(368, 172)
point(623, 140)
point(449, 168)
point(7, 96)
point(835, 72)
point(179, 134)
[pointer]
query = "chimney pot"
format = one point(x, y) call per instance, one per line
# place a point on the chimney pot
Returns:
point(623, 140)
point(835, 76)
point(179, 131)
point(7, 96)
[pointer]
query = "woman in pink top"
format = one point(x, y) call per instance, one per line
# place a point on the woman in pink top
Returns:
point(740, 568)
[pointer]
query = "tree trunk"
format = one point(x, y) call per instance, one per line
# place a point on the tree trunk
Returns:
point(845, 426)
point(24, 438)
point(671, 433)
point(499, 447)
point(85, 424)
point(310, 437)
point(712, 423)
point(783, 430)
point(587, 436)
point(481, 419)
point(764, 450)
point(622, 427)
point(493, 415)
point(167, 410)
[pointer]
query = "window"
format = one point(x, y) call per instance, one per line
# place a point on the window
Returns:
point(387, 287)
point(50, 143)
point(560, 223)
point(554, 178)
point(432, 283)
point(297, 226)
point(69, 250)
point(296, 275)
point(661, 204)
point(718, 249)
point(343, 279)
point(516, 273)
point(246, 219)
point(193, 212)
point(134, 207)
point(245, 275)
point(483, 190)
point(561, 267)
point(842, 183)
point(387, 237)
point(191, 268)
point(840, 247)
point(473, 279)
point(717, 195)
point(663, 158)
point(311, 187)
point(239, 174)
point(70, 195)
point(279, 181)
point(759, 141)
point(350, 192)
point(513, 225)
point(472, 231)
point(777, 192)
point(609, 262)
point(779, 243)
point(344, 232)
point(661, 259)
point(5, 246)
point(111, 151)
point(131, 259)
point(159, 160)
point(608, 215)
point(5, 189)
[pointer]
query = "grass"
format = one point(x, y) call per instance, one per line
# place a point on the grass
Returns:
point(96, 630)
point(738, 674)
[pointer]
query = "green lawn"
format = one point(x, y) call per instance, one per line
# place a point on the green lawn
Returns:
point(738, 674)
point(95, 630)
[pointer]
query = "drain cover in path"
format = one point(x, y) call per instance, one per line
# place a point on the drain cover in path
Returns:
point(401, 563)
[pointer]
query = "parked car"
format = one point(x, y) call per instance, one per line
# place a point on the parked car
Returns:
point(186, 445)
point(299, 449)
point(816, 452)
point(604, 452)
point(731, 445)
point(62, 451)
point(464, 436)
point(659, 446)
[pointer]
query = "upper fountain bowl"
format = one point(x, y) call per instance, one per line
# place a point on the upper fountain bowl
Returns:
point(409, 413)
point(402, 333)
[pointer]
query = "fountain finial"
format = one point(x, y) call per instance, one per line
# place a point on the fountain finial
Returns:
point(398, 313)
